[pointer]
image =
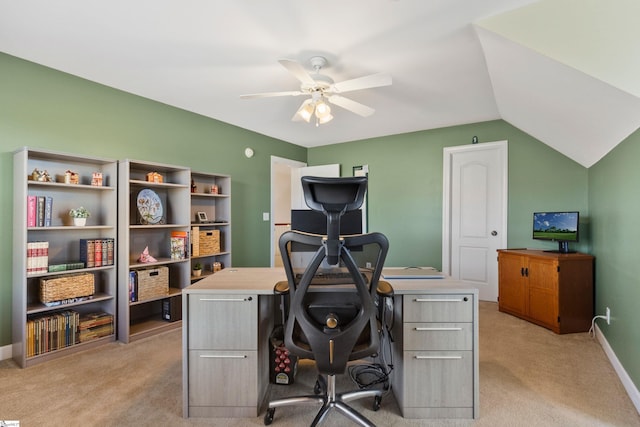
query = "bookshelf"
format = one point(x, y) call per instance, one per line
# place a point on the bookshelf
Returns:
point(140, 227)
point(51, 288)
point(211, 195)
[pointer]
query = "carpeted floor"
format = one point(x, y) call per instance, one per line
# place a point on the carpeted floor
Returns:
point(529, 376)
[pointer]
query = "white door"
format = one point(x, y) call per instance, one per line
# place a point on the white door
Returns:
point(297, 198)
point(282, 195)
point(475, 214)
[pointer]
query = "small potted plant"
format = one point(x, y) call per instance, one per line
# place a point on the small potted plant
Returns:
point(79, 215)
point(197, 269)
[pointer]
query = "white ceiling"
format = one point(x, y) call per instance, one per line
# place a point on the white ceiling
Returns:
point(564, 71)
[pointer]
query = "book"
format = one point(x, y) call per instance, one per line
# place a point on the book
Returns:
point(87, 252)
point(195, 241)
point(48, 210)
point(133, 286)
point(40, 211)
point(97, 252)
point(32, 211)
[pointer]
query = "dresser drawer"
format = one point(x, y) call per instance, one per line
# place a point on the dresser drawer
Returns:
point(239, 314)
point(438, 336)
point(213, 374)
point(438, 308)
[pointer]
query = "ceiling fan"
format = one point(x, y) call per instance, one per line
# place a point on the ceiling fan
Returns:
point(322, 89)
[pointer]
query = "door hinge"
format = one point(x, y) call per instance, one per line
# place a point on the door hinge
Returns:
point(558, 268)
point(558, 319)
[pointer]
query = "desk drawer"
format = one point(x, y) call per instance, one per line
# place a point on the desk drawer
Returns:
point(438, 379)
point(438, 308)
point(438, 336)
point(212, 374)
point(208, 311)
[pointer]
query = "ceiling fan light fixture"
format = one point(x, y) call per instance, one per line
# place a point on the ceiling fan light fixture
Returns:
point(322, 110)
point(324, 119)
point(306, 111)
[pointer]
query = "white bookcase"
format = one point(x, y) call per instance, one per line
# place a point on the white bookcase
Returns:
point(211, 196)
point(32, 346)
point(144, 317)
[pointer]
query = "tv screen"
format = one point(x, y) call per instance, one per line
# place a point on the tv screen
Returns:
point(560, 227)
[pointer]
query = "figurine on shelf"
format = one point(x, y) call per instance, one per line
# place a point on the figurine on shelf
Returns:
point(145, 257)
point(41, 176)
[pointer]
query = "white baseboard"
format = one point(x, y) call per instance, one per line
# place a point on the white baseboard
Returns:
point(6, 352)
point(628, 384)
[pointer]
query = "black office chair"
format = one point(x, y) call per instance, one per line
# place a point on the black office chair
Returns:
point(332, 322)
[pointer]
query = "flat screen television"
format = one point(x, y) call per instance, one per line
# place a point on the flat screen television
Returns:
point(561, 227)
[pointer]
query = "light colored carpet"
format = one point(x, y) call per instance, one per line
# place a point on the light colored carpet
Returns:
point(529, 376)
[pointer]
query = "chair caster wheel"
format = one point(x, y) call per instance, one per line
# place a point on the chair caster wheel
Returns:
point(317, 389)
point(376, 402)
point(268, 417)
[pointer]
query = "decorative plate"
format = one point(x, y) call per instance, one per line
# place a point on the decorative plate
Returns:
point(149, 207)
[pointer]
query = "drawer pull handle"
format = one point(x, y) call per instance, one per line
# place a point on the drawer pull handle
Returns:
point(439, 357)
point(438, 329)
point(227, 299)
point(223, 356)
point(440, 300)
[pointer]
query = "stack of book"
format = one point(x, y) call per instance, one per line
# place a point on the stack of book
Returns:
point(52, 332)
point(96, 252)
point(95, 325)
point(37, 257)
point(39, 211)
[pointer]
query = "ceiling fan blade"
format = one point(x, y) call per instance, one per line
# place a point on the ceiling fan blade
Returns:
point(298, 71)
point(351, 105)
point(373, 80)
point(270, 94)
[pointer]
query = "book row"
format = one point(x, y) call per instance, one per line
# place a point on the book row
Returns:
point(39, 211)
point(97, 252)
point(64, 329)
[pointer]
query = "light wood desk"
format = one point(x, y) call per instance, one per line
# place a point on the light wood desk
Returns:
point(228, 316)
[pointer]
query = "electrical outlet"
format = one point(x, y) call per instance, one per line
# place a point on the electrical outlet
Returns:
point(608, 315)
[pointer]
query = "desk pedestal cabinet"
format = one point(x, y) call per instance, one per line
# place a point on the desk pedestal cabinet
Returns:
point(435, 355)
point(228, 365)
point(549, 289)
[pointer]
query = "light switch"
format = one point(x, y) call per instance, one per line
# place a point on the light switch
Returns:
point(265, 216)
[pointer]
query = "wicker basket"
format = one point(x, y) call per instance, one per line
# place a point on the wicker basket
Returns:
point(66, 287)
point(209, 242)
point(153, 283)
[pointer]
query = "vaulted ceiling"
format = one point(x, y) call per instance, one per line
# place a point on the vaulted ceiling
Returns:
point(564, 71)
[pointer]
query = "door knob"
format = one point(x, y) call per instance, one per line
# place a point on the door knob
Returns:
point(494, 233)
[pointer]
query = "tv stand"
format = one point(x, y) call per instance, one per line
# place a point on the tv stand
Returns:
point(553, 290)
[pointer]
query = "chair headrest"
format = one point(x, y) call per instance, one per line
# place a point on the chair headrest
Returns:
point(334, 194)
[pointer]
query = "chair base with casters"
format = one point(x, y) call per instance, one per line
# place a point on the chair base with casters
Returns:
point(329, 400)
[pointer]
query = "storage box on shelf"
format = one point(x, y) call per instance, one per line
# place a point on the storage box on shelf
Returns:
point(52, 284)
point(153, 212)
point(210, 222)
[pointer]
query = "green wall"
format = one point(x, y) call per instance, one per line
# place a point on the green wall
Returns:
point(43, 108)
point(405, 185)
point(615, 228)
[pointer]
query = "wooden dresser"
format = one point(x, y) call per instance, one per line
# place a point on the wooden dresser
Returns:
point(553, 290)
